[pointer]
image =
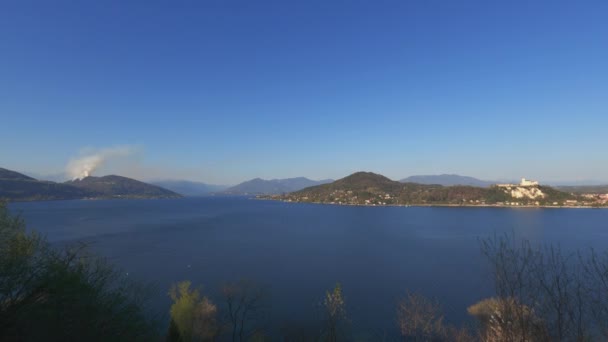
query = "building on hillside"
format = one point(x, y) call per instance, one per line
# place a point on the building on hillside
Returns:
point(524, 182)
point(527, 182)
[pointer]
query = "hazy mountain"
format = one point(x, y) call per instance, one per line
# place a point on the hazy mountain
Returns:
point(15, 186)
point(585, 189)
point(189, 188)
point(273, 186)
point(120, 187)
point(447, 180)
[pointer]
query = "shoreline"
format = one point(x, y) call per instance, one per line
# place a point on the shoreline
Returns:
point(441, 205)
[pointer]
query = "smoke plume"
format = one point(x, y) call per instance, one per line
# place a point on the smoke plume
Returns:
point(84, 166)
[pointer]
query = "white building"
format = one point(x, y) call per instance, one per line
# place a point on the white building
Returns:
point(524, 182)
point(527, 182)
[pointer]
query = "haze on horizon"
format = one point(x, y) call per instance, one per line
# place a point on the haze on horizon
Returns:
point(222, 92)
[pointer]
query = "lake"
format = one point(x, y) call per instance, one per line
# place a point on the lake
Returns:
point(299, 251)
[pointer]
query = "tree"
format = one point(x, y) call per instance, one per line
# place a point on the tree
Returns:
point(245, 304)
point(335, 311)
point(499, 322)
point(192, 318)
point(595, 269)
point(420, 319)
point(547, 294)
point(64, 294)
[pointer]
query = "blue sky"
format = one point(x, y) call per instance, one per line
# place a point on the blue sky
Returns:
point(224, 91)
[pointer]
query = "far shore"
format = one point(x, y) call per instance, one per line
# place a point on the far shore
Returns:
point(443, 205)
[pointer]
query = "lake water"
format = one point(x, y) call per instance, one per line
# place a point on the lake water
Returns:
point(298, 251)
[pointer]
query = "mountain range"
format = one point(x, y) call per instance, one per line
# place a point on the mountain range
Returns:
point(190, 188)
point(447, 180)
point(260, 186)
point(585, 189)
point(15, 186)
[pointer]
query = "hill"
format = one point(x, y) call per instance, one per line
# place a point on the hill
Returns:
point(190, 188)
point(120, 187)
point(13, 175)
point(366, 188)
point(274, 186)
point(34, 190)
point(447, 180)
point(15, 186)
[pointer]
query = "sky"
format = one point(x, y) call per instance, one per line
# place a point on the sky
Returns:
point(224, 91)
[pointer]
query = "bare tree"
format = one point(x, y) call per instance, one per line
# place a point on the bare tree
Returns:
point(245, 304)
point(546, 294)
point(512, 266)
point(420, 319)
point(595, 269)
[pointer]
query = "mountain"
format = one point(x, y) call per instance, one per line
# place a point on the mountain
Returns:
point(15, 186)
point(120, 187)
point(274, 186)
point(447, 180)
point(367, 188)
point(189, 188)
point(54, 177)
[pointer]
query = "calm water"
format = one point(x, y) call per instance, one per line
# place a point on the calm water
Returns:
point(301, 250)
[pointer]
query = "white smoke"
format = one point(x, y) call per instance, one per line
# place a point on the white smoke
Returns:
point(84, 166)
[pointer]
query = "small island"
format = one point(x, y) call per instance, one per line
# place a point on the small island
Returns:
point(370, 189)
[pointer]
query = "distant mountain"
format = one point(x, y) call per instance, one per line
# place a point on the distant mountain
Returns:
point(15, 186)
point(447, 180)
point(120, 187)
point(189, 188)
point(585, 189)
point(259, 186)
point(367, 188)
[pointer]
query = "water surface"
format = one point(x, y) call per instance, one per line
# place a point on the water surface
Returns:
point(298, 251)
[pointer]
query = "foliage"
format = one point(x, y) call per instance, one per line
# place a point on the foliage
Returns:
point(335, 311)
point(500, 321)
point(193, 317)
point(66, 294)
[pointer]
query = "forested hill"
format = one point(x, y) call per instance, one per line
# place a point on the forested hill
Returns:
point(367, 188)
point(12, 175)
point(121, 187)
point(15, 186)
